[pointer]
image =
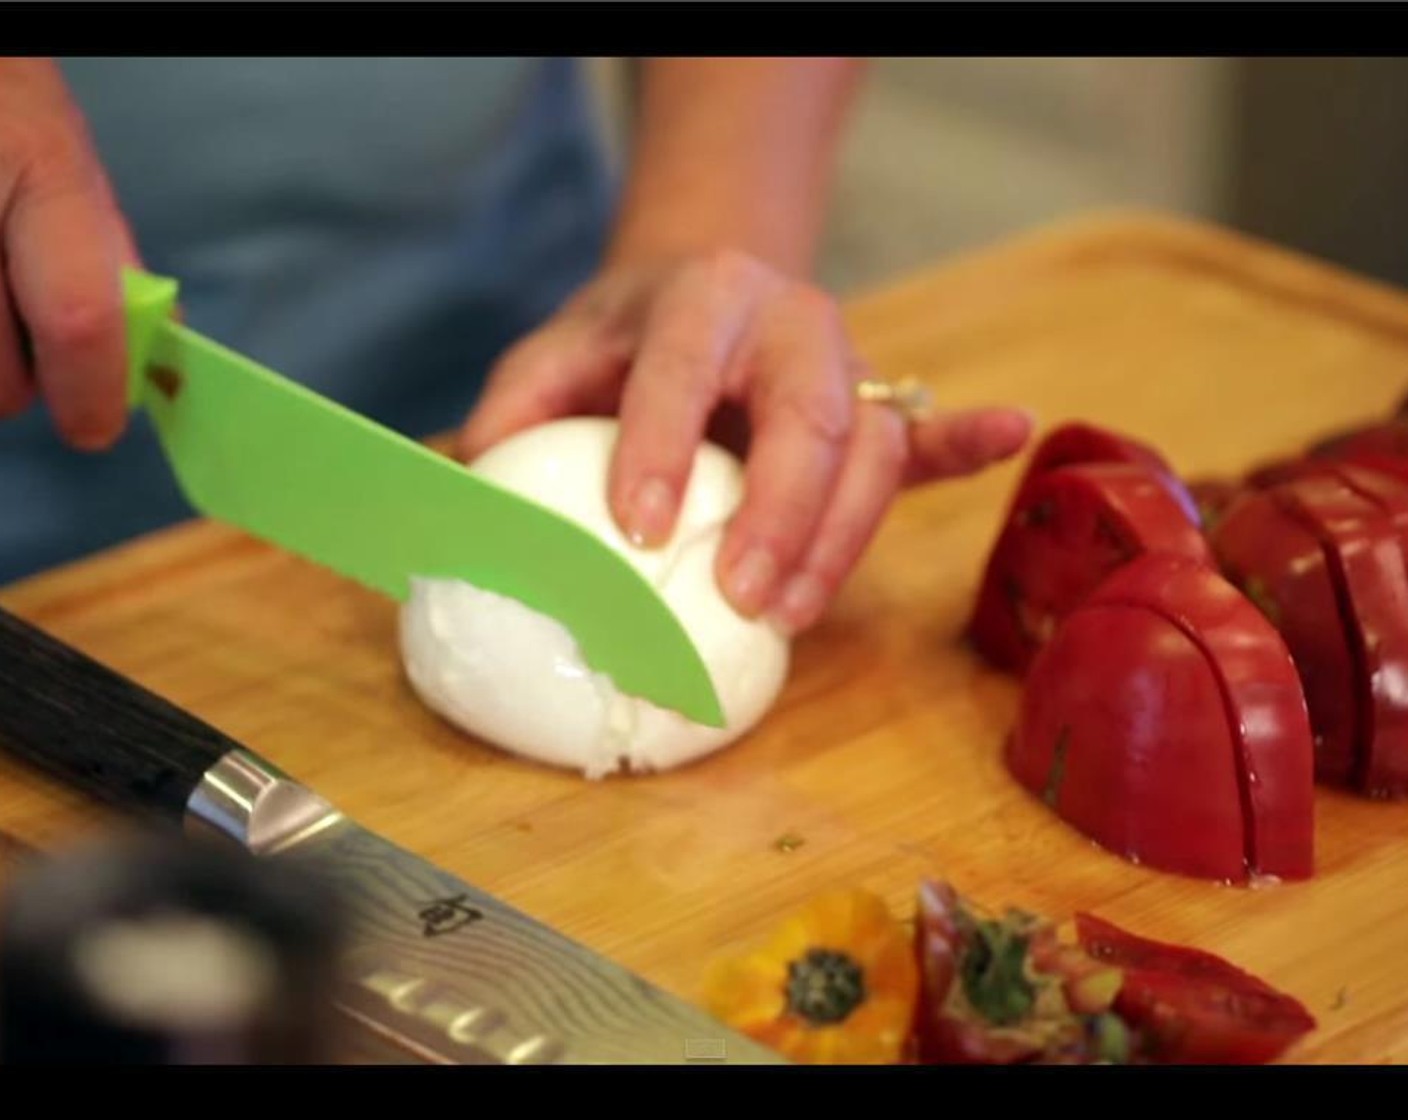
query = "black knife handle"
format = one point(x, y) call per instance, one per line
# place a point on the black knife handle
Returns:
point(97, 730)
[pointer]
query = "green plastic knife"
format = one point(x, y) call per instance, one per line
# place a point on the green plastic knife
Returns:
point(257, 451)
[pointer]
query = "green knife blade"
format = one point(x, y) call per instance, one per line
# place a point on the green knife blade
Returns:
point(255, 450)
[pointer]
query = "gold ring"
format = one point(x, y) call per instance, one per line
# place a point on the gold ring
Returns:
point(910, 398)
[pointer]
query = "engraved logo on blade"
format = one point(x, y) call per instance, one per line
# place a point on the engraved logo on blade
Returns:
point(447, 915)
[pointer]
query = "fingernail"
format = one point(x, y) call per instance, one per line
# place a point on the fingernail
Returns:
point(750, 584)
point(803, 600)
point(87, 434)
point(651, 513)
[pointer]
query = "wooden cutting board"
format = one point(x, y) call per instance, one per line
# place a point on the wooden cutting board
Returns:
point(883, 755)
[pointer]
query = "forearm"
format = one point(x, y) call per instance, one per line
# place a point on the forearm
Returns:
point(736, 153)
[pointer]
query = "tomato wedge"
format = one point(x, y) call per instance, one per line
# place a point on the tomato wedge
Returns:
point(1390, 439)
point(1264, 702)
point(1366, 562)
point(1164, 721)
point(1284, 470)
point(1122, 732)
point(1076, 443)
point(1280, 565)
point(1383, 447)
point(1191, 1006)
point(1387, 491)
point(1072, 526)
point(1374, 476)
point(1395, 466)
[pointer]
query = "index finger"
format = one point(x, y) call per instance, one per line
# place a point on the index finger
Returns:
point(64, 250)
point(675, 384)
point(801, 404)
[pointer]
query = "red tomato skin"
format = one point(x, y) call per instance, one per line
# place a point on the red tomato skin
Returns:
point(1265, 705)
point(1146, 764)
point(1110, 944)
point(1072, 527)
point(1394, 466)
point(1191, 1006)
point(1389, 491)
point(1280, 470)
point(1388, 440)
point(1383, 481)
point(1366, 561)
point(1075, 443)
point(1281, 567)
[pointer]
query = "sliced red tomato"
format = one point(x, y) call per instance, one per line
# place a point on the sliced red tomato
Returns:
point(1382, 447)
point(1395, 466)
point(1191, 1006)
point(1072, 526)
point(1076, 443)
point(1265, 706)
point(1374, 476)
point(1280, 565)
point(1366, 562)
point(1390, 439)
point(1123, 731)
point(1387, 490)
point(1284, 470)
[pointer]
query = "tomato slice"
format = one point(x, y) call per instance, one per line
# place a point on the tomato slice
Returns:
point(1386, 489)
point(1112, 945)
point(1123, 731)
point(1076, 443)
point(1072, 526)
point(1261, 691)
point(1381, 447)
point(1285, 470)
point(1192, 1006)
point(1390, 439)
point(1281, 567)
point(1383, 479)
point(1395, 466)
point(1366, 562)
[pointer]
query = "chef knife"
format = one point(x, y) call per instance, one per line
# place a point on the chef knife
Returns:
point(255, 450)
point(438, 966)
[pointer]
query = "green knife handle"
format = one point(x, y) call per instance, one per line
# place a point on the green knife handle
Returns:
point(94, 729)
point(149, 301)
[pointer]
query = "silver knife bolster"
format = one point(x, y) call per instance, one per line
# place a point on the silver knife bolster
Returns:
point(248, 800)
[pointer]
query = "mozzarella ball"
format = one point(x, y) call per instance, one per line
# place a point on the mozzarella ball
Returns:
point(515, 678)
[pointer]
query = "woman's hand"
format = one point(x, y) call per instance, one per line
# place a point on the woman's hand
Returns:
point(715, 338)
point(61, 317)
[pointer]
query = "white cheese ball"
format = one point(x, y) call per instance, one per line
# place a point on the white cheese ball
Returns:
point(515, 678)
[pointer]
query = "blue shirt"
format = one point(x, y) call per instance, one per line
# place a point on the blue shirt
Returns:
point(379, 229)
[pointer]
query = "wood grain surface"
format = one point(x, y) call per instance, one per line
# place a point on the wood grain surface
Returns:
point(882, 756)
